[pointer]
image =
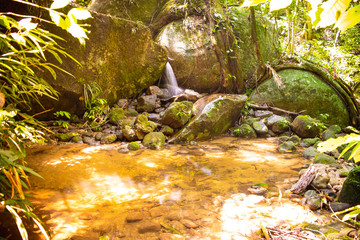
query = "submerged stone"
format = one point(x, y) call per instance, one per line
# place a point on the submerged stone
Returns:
point(134, 146)
point(154, 140)
point(214, 115)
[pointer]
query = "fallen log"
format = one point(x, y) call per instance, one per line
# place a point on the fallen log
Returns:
point(275, 109)
point(305, 180)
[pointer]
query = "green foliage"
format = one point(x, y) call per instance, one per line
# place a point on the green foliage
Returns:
point(353, 143)
point(351, 214)
point(61, 122)
point(83, 3)
point(96, 108)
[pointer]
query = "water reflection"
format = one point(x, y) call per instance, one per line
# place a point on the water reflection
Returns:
point(89, 191)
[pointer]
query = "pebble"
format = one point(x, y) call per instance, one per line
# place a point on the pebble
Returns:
point(136, 216)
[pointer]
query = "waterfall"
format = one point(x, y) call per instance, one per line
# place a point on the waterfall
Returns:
point(170, 82)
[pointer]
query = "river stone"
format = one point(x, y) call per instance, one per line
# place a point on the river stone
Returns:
point(131, 113)
point(321, 180)
point(120, 58)
point(245, 131)
point(306, 126)
point(155, 90)
point(313, 200)
point(260, 128)
point(146, 103)
point(273, 119)
point(324, 159)
point(64, 137)
point(303, 90)
point(308, 142)
point(143, 126)
point(128, 129)
point(263, 114)
point(167, 130)
point(177, 114)
point(134, 146)
point(116, 114)
point(150, 226)
point(280, 126)
point(136, 216)
point(90, 140)
point(250, 120)
point(330, 132)
point(110, 138)
point(154, 140)
point(350, 192)
point(77, 139)
point(287, 146)
point(310, 153)
point(214, 115)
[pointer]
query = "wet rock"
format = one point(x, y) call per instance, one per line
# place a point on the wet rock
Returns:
point(128, 129)
point(310, 153)
point(339, 206)
point(136, 216)
point(77, 139)
point(308, 142)
point(167, 130)
point(214, 115)
point(188, 223)
point(313, 200)
point(257, 190)
point(251, 120)
point(178, 114)
point(154, 117)
point(273, 119)
point(350, 192)
point(321, 180)
point(98, 136)
point(146, 103)
point(134, 146)
point(245, 131)
point(155, 90)
point(329, 193)
point(260, 128)
point(110, 138)
point(323, 158)
point(116, 115)
point(262, 114)
point(143, 126)
point(123, 103)
point(158, 211)
point(306, 127)
point(64, 137)
point(154, 140)
point(192, 95)
point(295, 139)
point(123, 149)
point(287, 146)
point(330, 132)
point(280, 126)
point(90, 140)
point(150, 226)
point(282, 139)
point(131, 113)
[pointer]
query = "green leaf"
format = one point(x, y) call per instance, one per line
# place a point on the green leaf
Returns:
point(249, 3)
point(279, 4)
point(333, 9)
point(80, 13)
point(349, 19)
point(19, 223)
point(59, 4)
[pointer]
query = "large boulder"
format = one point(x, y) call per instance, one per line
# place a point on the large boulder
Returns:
point(178, 114)
point(201, 60)
point(303, 90)
point(119, 60)
point(350, 192)
point(214, 115)
point(306, 126)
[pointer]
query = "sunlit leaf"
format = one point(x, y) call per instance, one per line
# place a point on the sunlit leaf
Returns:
point(80, 13)
point(348, 19)
point(26, 23)
point(59, 4)
point(279, 4)
point(77, 32)
point(19, 223)
point(315, 11)
point(333, 9)
point(18, 38)
point(248, 3)
point(4, 22)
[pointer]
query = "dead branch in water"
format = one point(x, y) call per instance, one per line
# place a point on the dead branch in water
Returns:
point(275, 109)
point(305, 180)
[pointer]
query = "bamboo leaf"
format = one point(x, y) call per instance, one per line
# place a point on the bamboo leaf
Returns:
point(79, 13)
point(19, 223)
point(59, 4)
point(249, 3)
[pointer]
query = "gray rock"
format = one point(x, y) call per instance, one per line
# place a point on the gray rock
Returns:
point(146, 103)
point(155, 90)
point(250, 120)
point(90, 140)
point(287, 146)
point(98, 136)
point(110, 138)
point(321, 180)
point(154, 117)
point(313, 200)
point(339, 206)
point(260, 128)
point(178, 114)
point(330, 132)
point(273, 119)
point(123, 103)
point(350, 192)
point(245, 131)
point(310, 153)
point(263, 114)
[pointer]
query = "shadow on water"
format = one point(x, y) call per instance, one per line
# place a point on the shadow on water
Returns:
point(199, 191)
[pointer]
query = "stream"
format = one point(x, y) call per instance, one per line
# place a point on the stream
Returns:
point(178, 192)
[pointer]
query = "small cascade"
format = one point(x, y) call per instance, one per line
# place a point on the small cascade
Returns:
point(170, 82)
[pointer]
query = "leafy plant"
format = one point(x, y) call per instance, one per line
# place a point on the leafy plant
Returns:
point(61, 122)
point(96, 108)
point(351, 214)
point(353, 143)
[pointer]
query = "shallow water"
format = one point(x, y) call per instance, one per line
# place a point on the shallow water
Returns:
point(93, 191)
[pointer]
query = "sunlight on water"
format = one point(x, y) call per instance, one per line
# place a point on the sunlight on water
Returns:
point(91, 188)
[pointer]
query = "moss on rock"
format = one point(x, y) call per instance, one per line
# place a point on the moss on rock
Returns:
point(178, 114)
point(154, 140)
point(116, 114)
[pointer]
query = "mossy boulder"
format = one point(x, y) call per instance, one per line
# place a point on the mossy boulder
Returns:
point(154, 140)
point(323, 158)
point(214, 115)
point(350, 192)
point(330, 132)
point(178, 114)
point(134, 146)
point(287, 146)
point(128, 129)
point(306, 126)
point(109, 138)
point(120, 58)
point(167, 130)
point(260, 128)
point(281, 126)
point(143, 126)
point(195, 54)
point(303, 90)
point(245, 131)
point(65, 137)
point(116, 115)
